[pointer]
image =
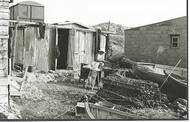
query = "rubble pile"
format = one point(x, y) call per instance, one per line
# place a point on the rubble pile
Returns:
point(9, 113)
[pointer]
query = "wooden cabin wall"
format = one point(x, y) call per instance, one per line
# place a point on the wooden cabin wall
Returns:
point(90, 47)
point(19, 51)
point(83, 48)
point(31, 50)
point(103, 44)
point(51, 33)
point(71, 49)
point(45, 50)
point(29, 46)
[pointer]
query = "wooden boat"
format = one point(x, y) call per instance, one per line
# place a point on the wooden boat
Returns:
point(100, 112)
point(176, 85)
point(148, 71)
point(154, 72)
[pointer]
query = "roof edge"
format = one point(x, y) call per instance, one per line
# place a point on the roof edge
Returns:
point(154, 23)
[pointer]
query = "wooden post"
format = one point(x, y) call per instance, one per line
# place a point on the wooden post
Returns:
point(14, 46)
point(56, 44)
point(9, 97)
point(107, 41)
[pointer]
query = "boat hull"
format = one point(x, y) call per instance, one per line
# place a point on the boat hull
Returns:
point(104, 113)
point(175, 87)
point(149, 75)
point(172, 87)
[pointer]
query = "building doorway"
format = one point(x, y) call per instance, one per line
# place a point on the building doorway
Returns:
point(63, 39)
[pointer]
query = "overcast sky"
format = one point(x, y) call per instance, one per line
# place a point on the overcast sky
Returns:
point(131, 13)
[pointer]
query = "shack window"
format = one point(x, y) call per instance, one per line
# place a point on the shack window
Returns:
point(174, 41)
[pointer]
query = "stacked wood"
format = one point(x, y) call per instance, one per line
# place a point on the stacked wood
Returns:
point(132, 93)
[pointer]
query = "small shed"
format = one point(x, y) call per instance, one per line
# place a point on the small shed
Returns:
point(27, 11)
point(58, 46)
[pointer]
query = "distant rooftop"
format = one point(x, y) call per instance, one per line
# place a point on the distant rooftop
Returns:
point(28, 3)
point(68, 23)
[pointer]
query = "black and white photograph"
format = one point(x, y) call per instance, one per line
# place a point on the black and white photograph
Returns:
point(87, 60)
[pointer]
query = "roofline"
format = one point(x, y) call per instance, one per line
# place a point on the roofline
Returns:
point(20, 3)
point(154, 23)
point(22, 23)
point(73, 23)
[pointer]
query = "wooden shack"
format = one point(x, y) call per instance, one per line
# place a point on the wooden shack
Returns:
point(27, 11)
point(59, 46)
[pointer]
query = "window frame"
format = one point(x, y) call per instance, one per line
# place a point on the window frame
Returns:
point(172, 36)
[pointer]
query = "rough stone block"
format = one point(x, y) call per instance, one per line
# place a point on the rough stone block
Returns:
point(4, 15)
point(4, 30)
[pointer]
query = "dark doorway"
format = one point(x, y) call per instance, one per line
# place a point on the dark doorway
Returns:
point(63, 38)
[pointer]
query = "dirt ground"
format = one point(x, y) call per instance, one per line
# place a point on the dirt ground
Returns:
point(50, 100)
point(54, 95)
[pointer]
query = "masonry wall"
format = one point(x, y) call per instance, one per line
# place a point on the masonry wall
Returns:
point(151, 43)
point(4, 27)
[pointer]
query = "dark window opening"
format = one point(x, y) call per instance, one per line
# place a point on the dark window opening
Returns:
point(174, 41)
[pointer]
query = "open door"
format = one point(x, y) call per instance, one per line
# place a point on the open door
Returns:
point(63, 38)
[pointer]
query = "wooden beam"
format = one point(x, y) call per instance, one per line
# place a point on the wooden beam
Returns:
point(22, 23)
point(121, 113)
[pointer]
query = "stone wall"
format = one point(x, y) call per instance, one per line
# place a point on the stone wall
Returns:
point(4, 29)
point(152, 43)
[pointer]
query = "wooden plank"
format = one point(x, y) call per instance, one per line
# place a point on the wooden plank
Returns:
point(88, 111)
point(117, 112)
point(56, 44)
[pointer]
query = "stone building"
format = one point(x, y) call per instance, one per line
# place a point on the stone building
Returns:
point(162, 43)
